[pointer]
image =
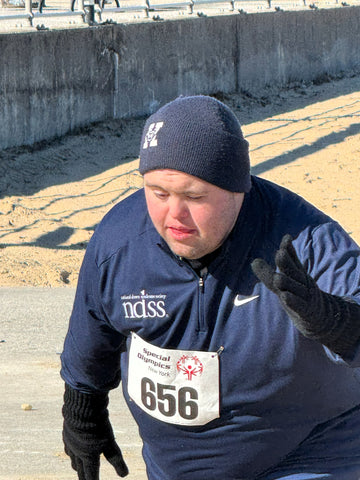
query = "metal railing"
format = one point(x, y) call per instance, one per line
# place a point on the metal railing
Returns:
point(31, 11)
point(87, 10)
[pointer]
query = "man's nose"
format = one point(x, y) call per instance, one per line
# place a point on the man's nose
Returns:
point(178, 208)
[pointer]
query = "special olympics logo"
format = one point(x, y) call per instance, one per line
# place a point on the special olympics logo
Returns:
point(190, 366)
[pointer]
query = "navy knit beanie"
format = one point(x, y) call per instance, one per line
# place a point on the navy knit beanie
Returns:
point(200, 136)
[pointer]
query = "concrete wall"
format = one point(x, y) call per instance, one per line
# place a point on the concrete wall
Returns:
point(54, 81)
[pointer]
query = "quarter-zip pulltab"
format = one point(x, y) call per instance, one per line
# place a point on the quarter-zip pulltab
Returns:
point(203, 273)
point(201, 284)
point(202, 322)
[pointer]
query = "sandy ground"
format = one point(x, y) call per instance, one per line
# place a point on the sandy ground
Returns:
point(53, 194)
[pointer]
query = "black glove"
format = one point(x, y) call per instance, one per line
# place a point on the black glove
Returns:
point(333, 321)
point(87, 433)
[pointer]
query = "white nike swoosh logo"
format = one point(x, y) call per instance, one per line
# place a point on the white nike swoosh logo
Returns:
point(241, 301)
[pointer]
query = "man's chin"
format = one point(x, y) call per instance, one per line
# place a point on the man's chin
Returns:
point(190, 252)
point(185, 251)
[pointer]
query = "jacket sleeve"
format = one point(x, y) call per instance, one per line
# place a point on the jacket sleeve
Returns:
point(91, 356)
point(332, 259)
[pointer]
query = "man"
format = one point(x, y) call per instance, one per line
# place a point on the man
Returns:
point(230, 309)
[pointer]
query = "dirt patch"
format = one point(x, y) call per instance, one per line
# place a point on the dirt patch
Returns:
point(53, 194)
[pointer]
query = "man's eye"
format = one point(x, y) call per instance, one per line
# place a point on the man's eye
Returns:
point(195, 197)
point(161, 195)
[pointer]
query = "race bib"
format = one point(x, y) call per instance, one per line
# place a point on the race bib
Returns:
point(175, 386)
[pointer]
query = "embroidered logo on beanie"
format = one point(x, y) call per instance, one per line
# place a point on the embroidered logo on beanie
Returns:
point(201, 136)
point(151, 135)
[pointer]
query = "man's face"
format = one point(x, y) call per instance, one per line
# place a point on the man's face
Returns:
point(194, 217)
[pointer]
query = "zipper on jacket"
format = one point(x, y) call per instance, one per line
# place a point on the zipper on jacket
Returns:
point(202, 326)
point(201, 284)
point(202, 321)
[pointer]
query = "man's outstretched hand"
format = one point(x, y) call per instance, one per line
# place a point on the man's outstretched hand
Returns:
point(332, 320)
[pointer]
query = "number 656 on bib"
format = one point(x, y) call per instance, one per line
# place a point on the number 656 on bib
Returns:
point(175, 386)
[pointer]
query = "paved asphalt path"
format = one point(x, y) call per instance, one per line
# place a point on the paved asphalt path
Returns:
point(33, 324)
